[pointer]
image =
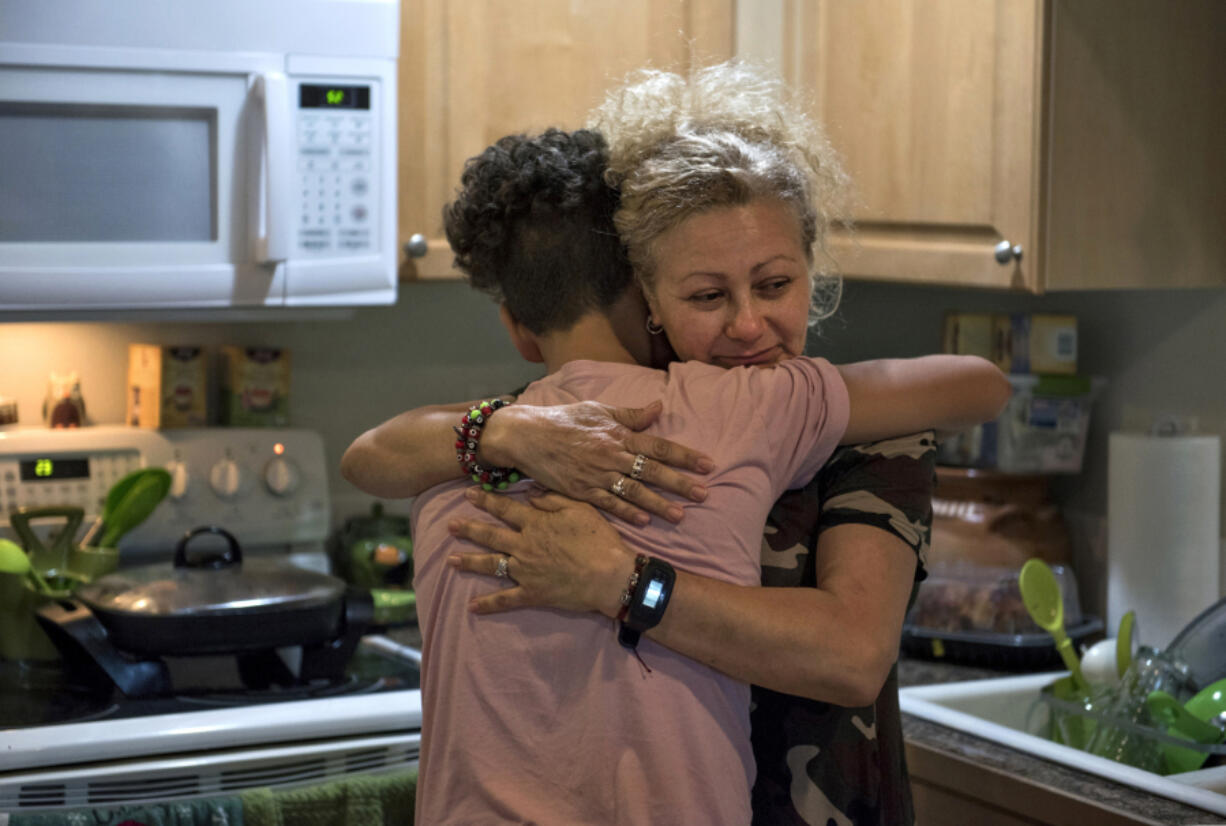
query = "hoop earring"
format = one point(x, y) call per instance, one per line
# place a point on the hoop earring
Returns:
point(652, 327)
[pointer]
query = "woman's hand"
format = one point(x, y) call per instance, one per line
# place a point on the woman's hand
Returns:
point(583, 449)
point(561, 554)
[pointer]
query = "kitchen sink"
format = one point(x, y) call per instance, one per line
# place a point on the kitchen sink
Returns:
point(1006, 710)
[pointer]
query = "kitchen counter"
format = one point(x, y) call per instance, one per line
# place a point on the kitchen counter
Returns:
point(1082, 797)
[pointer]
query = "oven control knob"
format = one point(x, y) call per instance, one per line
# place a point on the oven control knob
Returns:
point(281, 476)
point(180, 481)
point(226, 478)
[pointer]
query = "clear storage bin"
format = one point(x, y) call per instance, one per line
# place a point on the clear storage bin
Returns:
point(1041, 430)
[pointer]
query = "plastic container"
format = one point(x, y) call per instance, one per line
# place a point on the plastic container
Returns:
point(974, 615)
point(1042, 429)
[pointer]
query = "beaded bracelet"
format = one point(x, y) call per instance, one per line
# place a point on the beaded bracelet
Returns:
point(469, 434)
point(640, 562)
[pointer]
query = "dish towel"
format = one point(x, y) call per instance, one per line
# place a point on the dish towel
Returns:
point(374, 800)
point(218, 811)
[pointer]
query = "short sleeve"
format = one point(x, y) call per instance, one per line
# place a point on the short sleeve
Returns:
point(886, 484)
point(804, 407)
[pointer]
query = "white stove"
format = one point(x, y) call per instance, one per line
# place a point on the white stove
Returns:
point(67, 741)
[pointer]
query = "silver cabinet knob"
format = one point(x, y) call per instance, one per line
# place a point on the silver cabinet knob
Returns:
point(416, 246)
point(1006, 252)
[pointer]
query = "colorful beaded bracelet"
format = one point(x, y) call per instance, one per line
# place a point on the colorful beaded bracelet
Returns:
point(468, 434)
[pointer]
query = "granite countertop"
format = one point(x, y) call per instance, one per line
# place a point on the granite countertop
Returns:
point(912, 672)
point(1056, 776)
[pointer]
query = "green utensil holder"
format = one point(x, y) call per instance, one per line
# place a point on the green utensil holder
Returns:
point(89, 563)
point(21, 637)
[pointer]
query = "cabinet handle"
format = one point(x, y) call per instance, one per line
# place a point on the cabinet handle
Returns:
point(1006, 252)
point(416, 246)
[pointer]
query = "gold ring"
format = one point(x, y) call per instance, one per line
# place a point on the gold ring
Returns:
point(619, 487)
point(636, 471)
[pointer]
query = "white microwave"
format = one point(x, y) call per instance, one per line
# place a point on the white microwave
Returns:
point(228, 154)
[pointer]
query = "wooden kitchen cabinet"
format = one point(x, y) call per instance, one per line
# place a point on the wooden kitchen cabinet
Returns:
point(1086, 132)
point(471, 72)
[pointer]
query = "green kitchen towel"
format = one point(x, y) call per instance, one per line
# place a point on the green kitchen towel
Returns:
point(218, 811)
point(367, 800)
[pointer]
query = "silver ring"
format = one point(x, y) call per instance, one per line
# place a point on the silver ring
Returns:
point(619, 487)
point(636, 471)
point(501, 570)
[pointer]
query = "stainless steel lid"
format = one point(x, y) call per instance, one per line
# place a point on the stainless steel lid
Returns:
point(213, 584)
point(255, 586)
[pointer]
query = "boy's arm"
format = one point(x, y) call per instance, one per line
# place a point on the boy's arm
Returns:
point(890, 397)
point(578, 449)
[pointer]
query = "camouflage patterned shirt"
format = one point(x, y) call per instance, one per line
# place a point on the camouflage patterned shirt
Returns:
point(820, 764)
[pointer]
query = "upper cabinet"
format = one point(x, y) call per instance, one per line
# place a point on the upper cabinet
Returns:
point(473, 71)
point(1020, 144)
point(1023, 144)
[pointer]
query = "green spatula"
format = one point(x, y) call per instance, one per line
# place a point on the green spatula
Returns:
point(128, 503)
point(1043, 600)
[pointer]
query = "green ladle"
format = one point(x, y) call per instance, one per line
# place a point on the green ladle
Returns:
point(1045, 604)
point(13, 560)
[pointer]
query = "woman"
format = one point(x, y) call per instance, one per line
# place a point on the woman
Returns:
point(726, 271)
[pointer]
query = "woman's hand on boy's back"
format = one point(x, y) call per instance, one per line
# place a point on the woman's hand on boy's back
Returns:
point(583, 449)
point(559, 554)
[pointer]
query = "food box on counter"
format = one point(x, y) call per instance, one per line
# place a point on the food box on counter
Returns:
point(254, 387)
point(1042, 429)
point(1020, 343)
point(167, 386)
point(974, 615)
point(1035, 343)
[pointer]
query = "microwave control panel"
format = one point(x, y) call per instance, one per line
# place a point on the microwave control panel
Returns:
point(339, 202)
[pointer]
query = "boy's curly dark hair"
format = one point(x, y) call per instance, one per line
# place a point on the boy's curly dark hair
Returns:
point(532, 225)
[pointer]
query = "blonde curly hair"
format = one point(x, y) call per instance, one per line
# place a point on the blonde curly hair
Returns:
point(723, 136)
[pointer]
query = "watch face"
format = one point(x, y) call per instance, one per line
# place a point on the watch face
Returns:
point(652, 593)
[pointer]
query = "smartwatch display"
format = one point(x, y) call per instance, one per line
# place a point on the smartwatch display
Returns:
point(647, 603)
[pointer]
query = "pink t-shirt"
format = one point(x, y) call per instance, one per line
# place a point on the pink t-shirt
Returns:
point(539, 716)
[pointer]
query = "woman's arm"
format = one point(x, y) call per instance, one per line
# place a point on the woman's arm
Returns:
point(942, 392)
point(834, 643)
point(578, 449)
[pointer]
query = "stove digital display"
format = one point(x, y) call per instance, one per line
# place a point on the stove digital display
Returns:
point(47, 470)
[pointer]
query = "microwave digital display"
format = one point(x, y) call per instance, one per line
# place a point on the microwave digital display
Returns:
point(40, 470)
point(317, 96)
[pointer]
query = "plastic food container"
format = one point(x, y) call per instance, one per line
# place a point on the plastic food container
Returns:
point(974, 615)
point(1041, 430)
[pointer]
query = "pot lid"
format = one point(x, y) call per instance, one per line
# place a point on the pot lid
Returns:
point(210, 585)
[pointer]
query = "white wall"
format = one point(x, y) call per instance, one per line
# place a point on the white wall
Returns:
point(1159, 350)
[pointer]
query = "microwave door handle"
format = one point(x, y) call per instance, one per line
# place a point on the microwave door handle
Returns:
point(271, 236)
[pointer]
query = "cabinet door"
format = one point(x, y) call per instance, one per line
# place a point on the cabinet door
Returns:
point(1136, 164)
point(934, 107)
point(473, 71)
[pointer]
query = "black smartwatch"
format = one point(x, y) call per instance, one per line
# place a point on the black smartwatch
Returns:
point(647, 601)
